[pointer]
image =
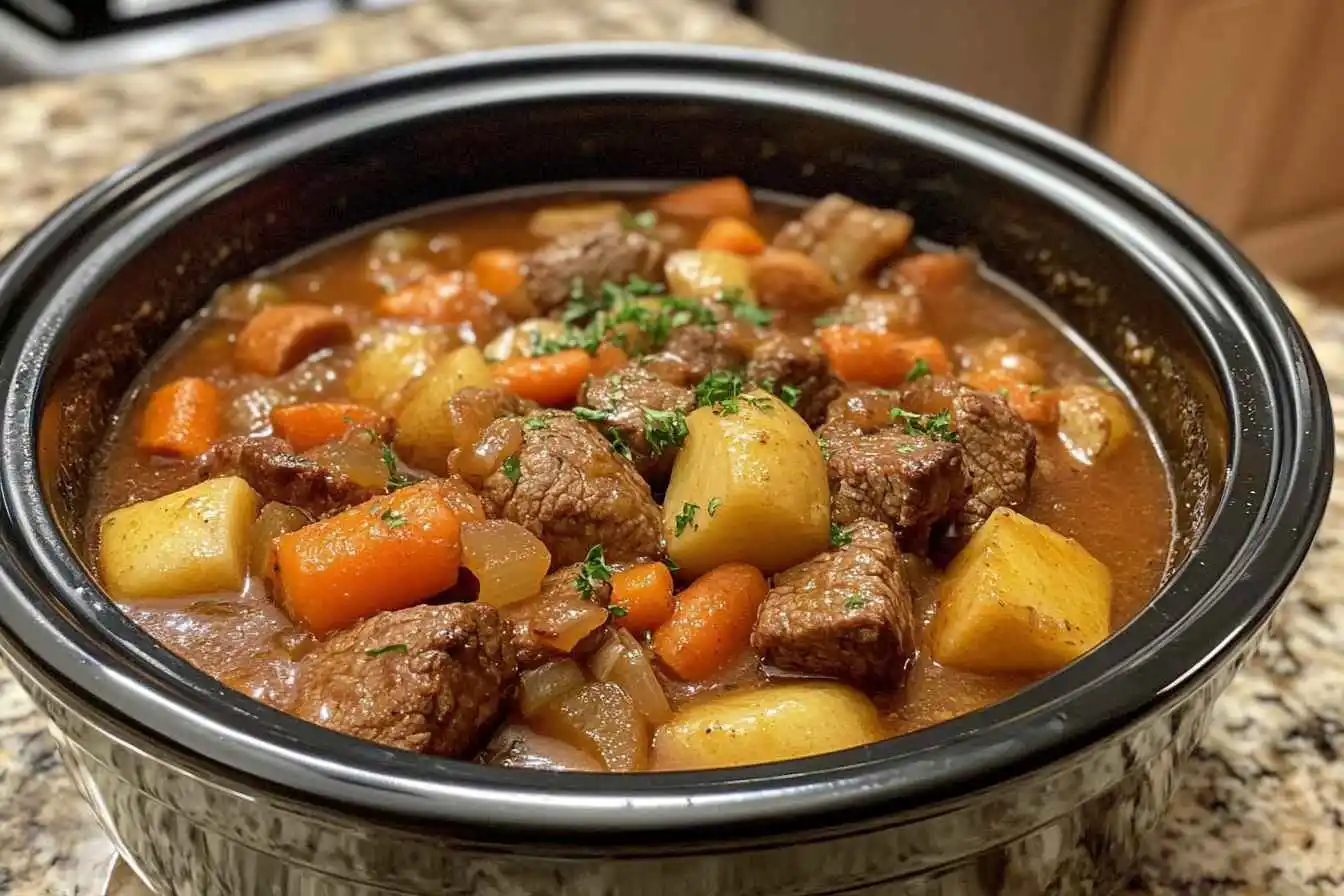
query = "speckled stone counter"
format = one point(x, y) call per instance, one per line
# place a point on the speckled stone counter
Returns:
point(1262, 807)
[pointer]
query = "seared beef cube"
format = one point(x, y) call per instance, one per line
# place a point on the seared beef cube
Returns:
point(999, 446)
point(910, 482)
point(569, 488)
point(692, 352)
point(636, 403)
point(272, 468)
point(845, 614)
point(607, 252)
point(782, 363)
point(845, 237)
point(433, 679)
point(536, 623)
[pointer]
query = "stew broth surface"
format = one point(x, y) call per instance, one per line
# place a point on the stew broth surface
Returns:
point(1118, 508)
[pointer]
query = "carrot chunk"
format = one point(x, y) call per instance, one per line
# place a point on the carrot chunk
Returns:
point(881, 359)
point(731, 235)
point(388, 553)
point(935, 272)
point(609, 358)
point(280, 336)
point(499, 271)
point(1033, 403)
point(182, 419)
point(550, 380)
point(450, 298)
point(722, 197)
point(712, 622)
point(641, 597)
point(306, 426)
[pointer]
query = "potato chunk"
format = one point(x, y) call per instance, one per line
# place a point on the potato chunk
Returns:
point(194, 541)
point(770, 724)
point(1092, 422)
point(749, 485)
point(706, 273)
point(389, 358)
point(425, 435)
point(1020, 597)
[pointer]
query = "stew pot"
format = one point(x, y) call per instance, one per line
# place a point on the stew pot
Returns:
point(208, 792)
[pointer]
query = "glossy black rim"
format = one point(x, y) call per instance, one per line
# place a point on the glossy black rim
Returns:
point(1278, 477)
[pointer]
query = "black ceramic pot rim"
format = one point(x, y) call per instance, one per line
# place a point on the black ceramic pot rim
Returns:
point(57, 620)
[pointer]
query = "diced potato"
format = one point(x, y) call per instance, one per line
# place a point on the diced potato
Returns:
point(760, 470)
point(1092, 422)
point(1020, 597)
point(424, 436)
point(554, 221)
point(769, 724)
point(389, 358)
point(516, 341)
point(706, 273)
point(194, 541)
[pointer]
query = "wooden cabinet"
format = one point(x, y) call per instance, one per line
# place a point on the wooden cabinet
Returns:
point(1237, 108)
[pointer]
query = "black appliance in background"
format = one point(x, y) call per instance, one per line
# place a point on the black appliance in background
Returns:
point(61, 38)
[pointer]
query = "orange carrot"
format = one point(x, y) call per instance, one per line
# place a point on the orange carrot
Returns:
point(550, 380)
point(499, 271)
point(449, 298)
point(1033, 403)
point(306, 426)
point(386, 554)
point(609, 358)
point(712, 622)
point(935, 272)
point(731, 235)
point(280, 336)
point(641, 597)
point(181, 419)
point(878, 358)
point(723, 197)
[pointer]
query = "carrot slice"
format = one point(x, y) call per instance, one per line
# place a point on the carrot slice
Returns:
point(449, 298)
point(388, 553)
point(878, 358)
point(731, 235)
point(712, 622)
point(182, 419)
point(499, 271)
point(306, 426)
point(935, 272)
point(550, 380)
point(723, 197)
point(609, 358)
point(641, 597)
point(1033, 403)
point(280, 336)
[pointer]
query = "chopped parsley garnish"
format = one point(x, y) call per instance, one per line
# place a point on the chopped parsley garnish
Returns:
point(723, 390)
point(617, 611)
point(395, 478)
point(618, 443)
point(664, 429)
point(535, 423)
point(671, 564)
point(512, 468)
point(388, 648)
point(935, 426)
point(714, 505)
point(907, 449)
point(744, 310)
point(840, 536)
point(920, 369)
point(790, 395)
point(686, 518)
point(825, 447)
point(592, 571)
point(592, 415)
point(855, 601)
point(638, 286)
point(645, 220)
point(393, 518)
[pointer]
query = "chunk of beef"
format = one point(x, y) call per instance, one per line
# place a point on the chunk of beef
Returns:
point(272, 468)
point(573, 491)
point(782, 360)
point(998, 445)
point(909, 482)
point(607, 252)
point(882, 311)
point(846, 237)
point(536, 622)
point(635, 401)
point(433, 679)
point(845, 614)
point(692, 352)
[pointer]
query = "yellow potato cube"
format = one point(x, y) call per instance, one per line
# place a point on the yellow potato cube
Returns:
point(194, 541)
point(1020, 597)
point(424, 435)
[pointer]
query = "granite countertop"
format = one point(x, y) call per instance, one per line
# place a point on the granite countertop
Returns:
point(1260, 809)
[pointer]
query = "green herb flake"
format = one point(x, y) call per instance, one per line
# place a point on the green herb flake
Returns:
point(512, 468)
point(618, 611)
point(919, 370)
point(664, 429)
point(671, 565)
point(714, 505)
point(855, 601)
point(645, 220)
point(840, 536)
point(535, 423)
point(790, 395)
point(393, 518)
point(592, 415)
point(745, 310)
point(686, 518)
point(618, 443)
point(388, 648)
point(935, 426)
point(593, 571)
point(396, 479)
point(825, 447)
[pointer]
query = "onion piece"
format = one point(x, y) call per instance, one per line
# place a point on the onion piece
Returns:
point(506, 559)
point(599, 718)
point(622, 661)
point(500, 441)
point(559, 619)
point(357, 455)
point(274, 520)
point(541, 685)
point(517, 746)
